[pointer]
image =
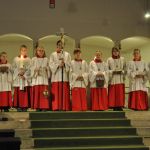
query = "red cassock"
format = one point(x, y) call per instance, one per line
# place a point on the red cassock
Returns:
point(5, 99)
point(99, 98)
point(116, 94)
point(22, 97)
point(60, 96)
point(79, 101)
point(138, 100)
point(39, 100)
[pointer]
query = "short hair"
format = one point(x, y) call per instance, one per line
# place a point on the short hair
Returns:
point(3, 53)
point(115, 48)
point(23, 46)
point(136, 50)
point(77, 51)
point(59, 41)
point(98, 51)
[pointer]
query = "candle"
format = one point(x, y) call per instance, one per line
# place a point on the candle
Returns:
point(21, 61)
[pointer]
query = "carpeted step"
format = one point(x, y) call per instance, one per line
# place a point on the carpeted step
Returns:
point(10, 143)
point(76, 132)
point(66, 123)
point(7, 133)
point(76, 115)
point(87, 141)
point(123, 147)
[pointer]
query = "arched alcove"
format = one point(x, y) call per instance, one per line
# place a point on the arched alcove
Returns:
point(49, 43)
point(140, 42)
point(89, 45)
point(10, 43)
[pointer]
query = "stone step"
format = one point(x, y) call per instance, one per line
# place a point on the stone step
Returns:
point(76, 115)
point(76, 132)
point(15, 124)
point(87, 141)
point(27, 143)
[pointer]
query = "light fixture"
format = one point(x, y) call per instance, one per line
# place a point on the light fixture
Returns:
point(147, 15)
point(147, 11)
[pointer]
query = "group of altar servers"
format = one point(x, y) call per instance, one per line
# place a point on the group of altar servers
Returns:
point(46, 84)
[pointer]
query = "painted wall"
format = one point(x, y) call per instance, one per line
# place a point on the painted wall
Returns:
point(117, 19)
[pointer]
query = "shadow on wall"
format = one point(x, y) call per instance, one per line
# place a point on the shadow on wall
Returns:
point(89, 45)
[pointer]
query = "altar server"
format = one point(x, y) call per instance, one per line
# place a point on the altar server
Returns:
point(98, 76)
point(5, 83)
point(117, 72)
point(138, 76)
point(79, 82)
point(40, 74)
point(22, 80)
point(59, 63)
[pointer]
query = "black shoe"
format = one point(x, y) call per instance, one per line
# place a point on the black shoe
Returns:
point(6, 110)
point(38, 110)
point(19, 110)
point(24, 110)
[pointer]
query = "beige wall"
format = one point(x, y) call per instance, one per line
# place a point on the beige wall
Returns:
point(49, 43)
point(117, 19)
point(11, 43)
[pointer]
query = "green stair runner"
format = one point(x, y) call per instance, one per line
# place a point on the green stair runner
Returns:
point(84, 131)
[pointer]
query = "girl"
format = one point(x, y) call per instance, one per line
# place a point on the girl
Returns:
point(137, 72)
point(98, 76)
point(5, 83)
point(40, 74)
point(78, 82)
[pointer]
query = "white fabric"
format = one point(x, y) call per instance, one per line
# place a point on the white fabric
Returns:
point(17, 64)
point(5, 79)
point(116, 65)
point(94, 69)
point(137, 68)
point(78, 68)
point(56, 70)
point(42, 77)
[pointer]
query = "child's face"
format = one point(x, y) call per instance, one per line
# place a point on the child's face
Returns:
point(3, 58)
point(60, 45)
point(77, 55)
point(23, 51)
point(40, 52)
point(115, 53)
point(136, 55)
point(98, 55)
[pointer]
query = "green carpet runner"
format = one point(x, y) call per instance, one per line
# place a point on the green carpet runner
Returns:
point(84, 131)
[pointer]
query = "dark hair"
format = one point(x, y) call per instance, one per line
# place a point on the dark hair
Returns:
point(136, 49)
point(115, 48)
point(23, 46)
point(3, 53)
point(59, 41)
point(77, 51)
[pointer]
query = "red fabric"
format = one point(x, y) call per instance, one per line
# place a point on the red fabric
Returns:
point(6, 99)
point(115, 57)
point(79, 101)
point(116, 95)
point(99, 98)
point(138, 100)
point(79, 60)
point(97, 60)
point(3, 62)
point(39, 101)
point(59, 102)
point(22, 97)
